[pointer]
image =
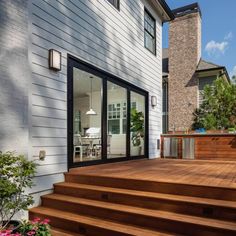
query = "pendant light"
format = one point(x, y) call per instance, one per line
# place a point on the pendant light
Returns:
point(91, 111)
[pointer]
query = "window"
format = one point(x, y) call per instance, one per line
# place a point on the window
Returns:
point(149, 32)
point(115, 3)
point(117, 118)
point(203, 81)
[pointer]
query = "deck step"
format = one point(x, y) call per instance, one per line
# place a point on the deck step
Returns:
point(220, 209)
point(154, 219)
point(192, 190)
point(60, 232)
point(85, 225)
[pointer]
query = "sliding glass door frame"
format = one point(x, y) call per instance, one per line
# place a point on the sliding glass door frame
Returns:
point(105, 76)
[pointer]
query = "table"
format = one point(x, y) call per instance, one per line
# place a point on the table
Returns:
point(91, 141)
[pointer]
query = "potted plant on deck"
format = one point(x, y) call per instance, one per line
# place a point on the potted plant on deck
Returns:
point(16, 175)
point(137, 131)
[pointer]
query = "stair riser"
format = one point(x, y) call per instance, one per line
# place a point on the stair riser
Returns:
point(159, 187)
point(137, 219)
point(89, 230)
point(148, 202)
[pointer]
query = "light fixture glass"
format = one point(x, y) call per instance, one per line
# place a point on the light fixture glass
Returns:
point(153, 101)
point(91, 111)
point(54, 60)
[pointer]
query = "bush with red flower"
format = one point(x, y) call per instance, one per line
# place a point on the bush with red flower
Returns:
point(8, 232)
point(36, 227)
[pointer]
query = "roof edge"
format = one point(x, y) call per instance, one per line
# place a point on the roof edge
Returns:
point(217, 68)
point(167, 9)
point(186, 10)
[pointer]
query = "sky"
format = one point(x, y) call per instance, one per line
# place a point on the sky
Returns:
point(218, 31)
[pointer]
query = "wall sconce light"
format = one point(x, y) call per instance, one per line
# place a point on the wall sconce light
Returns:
point(54, 60)
point(153, 101)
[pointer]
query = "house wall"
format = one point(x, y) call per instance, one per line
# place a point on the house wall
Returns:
point(14, 76)
point(202, 82)
point(184, 56)
point(96, 32)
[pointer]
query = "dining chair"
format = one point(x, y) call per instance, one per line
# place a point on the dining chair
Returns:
point(98, 147)
point(109, 143)
point(78, 145)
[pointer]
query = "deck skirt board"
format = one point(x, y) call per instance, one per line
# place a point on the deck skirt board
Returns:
point(131, 198)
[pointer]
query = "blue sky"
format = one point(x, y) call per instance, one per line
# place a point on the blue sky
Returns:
point(218, 30)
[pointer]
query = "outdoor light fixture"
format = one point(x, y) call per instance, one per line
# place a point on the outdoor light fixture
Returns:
point(54, 60)
point(153, 101)
point(91, 111)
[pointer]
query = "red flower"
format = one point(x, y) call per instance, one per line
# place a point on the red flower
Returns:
point(36, 220)
point(31, 233)
point(45, 221)
point(5, 232)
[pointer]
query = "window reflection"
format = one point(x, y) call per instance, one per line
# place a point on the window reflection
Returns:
point(116, 120)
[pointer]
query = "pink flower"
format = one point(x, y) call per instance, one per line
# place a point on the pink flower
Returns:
point(31, 233)
point(45, 221)
point(5, 232)
point(36, 220)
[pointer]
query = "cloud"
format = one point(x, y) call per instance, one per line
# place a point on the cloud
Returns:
point(228, 36)
point(215, 48)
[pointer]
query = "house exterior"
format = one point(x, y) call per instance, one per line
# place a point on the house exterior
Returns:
point(111, 63)
point(185, 73)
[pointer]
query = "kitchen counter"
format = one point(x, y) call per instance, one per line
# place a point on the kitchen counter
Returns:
point(198, 134)
point(199, 146)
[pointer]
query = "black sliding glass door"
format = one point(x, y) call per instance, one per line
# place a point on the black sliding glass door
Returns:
point(87, 116)
point(107, 117)
point(116, 121)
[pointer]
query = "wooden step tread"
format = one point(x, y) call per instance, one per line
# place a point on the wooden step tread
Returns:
point(93, 175)
point(156, 196)
point(116, 227)
point(153, 185)
point(60, 232)
point(195, 220)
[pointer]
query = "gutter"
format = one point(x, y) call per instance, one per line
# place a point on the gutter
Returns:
point(166, 9)
point(218, 68)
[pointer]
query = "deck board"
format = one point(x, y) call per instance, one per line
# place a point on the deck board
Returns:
point(216, 173)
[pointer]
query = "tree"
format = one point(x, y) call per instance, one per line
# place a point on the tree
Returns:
point(233, 79)
point(16, 175)
point(218, 109)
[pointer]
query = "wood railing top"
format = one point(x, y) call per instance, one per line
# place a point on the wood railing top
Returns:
point(196, 134)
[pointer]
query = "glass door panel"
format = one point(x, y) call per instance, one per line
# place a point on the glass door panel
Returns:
point(137, 124)
point(116, 121)
point(87, 110)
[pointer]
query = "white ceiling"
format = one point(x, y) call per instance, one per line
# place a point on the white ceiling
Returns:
point(82, 83)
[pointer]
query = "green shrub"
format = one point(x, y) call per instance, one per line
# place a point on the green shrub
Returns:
point(16, 174)
point(137, 126)
point(218, 110)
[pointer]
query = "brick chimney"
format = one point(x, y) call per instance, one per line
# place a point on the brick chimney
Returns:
point(184, 56)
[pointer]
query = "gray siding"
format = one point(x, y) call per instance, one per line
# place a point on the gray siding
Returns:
point(14, 76)
point(202, 82)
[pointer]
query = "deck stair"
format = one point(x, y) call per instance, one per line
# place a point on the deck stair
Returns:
point(95, 205)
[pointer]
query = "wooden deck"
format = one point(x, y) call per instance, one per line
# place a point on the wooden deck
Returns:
point(195, 172)
point(144, 197)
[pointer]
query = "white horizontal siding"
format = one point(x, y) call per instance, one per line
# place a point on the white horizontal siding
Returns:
point(95, 32)
point(43, 183)
point(42, 121)
point(54, 150)
point(37, 197)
